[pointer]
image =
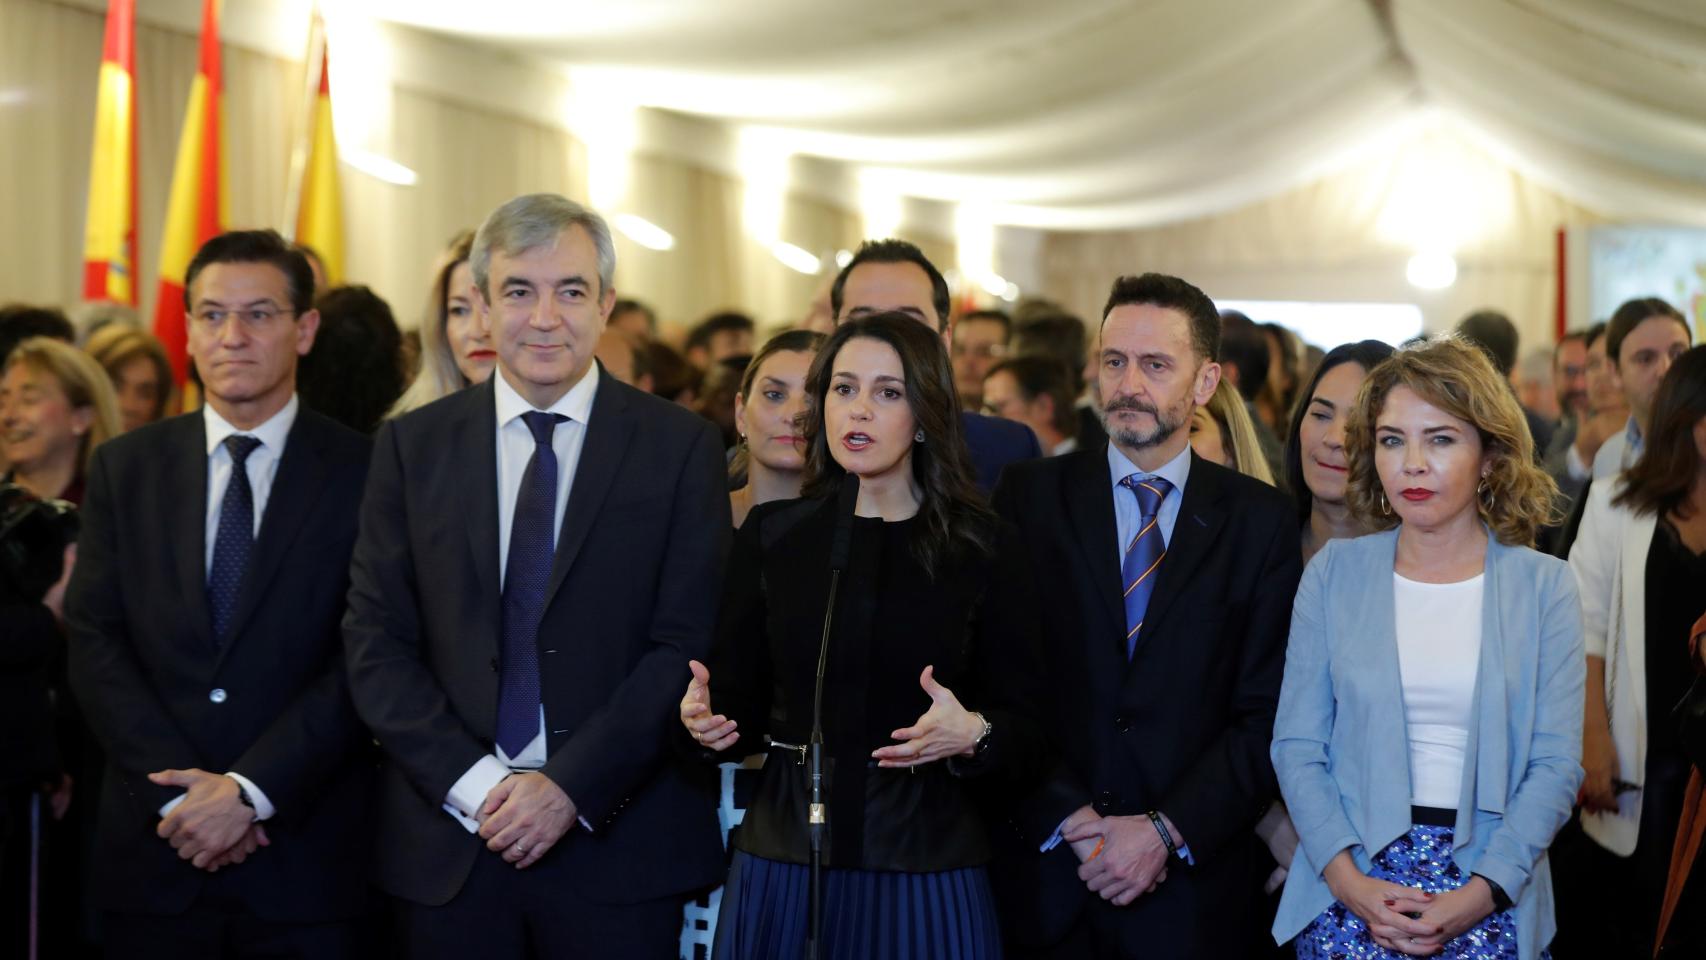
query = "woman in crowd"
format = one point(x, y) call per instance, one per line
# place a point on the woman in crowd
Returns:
point(770, 458)
point(1315, 466)
point(930, 664)
point(1427, 741)
point(1641, 561)
point(136, 363)
point(1279, 391)
point(455, 349)
point(1223, 432)
point(56, 407)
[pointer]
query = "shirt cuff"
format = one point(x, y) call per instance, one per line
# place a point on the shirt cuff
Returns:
point(468, 793)
point(172, 804)
point(1055, 838)
point(1573, 463)
point(263, 807)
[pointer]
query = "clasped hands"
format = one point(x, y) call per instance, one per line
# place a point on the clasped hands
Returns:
point(945, 730)
point(1404, 919)
point(1120, 858)
point(211, 826)
point(524, 816)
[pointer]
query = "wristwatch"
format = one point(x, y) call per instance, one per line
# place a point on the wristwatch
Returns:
point(981, 745)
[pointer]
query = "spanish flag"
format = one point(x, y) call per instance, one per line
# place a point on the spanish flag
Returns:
point(196, 212)
point(319, 214)
point(109, 238)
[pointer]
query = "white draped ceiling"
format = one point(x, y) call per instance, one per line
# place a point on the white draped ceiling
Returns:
point(1106, 114)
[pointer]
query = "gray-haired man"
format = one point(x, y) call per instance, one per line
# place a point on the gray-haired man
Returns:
point(539, 558)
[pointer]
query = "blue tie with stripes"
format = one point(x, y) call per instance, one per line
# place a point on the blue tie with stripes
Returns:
point(526, 575)
point(1143, 555)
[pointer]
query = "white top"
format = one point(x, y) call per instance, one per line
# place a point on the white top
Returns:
point(514, 448)
point(1439, 652)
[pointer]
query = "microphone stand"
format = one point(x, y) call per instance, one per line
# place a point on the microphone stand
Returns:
point(817, 813)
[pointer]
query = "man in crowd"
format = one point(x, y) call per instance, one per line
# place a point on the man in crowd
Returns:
point(635, 321)
point(887, 275)
point(1644, 337)
point(979, 341)
point(1570, 384)
point(1037, 392)
point(1177, 575)
point(1061, 336)
point(1494, 333)
point(539, 558)
point(204, 641)
point(719, 337)
point(1244, 358)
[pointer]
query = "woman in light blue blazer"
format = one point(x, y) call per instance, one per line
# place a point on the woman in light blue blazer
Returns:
point(1428, 739)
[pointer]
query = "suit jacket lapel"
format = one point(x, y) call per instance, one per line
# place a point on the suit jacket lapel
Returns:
point(295, 487)
point(1090, 504)
point(608, 431)
point(187, 528)
point(475, 433)
point(1194, 532)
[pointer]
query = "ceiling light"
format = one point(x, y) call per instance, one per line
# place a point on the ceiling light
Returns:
point(380, 168)
point(1432, 271)
point(644, 232)
point(795, 258)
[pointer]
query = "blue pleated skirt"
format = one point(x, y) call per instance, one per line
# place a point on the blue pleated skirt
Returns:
point(948, 915)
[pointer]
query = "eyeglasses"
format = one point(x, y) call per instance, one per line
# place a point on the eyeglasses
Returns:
point(253, 317)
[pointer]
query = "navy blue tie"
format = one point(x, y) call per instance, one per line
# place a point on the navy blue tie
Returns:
point(527, 573)
point(235, 538)
point(1143, 555)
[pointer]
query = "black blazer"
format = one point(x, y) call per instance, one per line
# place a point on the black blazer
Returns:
point(1184, 726)
point(994, 443)
point(270, 703)
point(632, 598)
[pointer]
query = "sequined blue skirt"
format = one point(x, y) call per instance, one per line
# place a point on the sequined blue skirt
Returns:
point(1421, 859)
point(948, 915)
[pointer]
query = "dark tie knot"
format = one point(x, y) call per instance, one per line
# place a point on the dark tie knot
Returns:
point(543, 425)
point(240, 446)
point(1150, 491)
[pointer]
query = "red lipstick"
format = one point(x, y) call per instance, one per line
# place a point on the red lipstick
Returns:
point(1416, 494)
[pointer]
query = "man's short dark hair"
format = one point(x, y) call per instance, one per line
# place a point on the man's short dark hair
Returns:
point(1579, 333)
point(1171, 293)
point(991, 316)
point(728, 321)
point(1038, 375)
point(19, 322)
point(354, 372)
point(634, 306)
point(1591, 335)
point(1243, 343)
point(895, 251)
point(256, 246)
point(1060, 337)
point(1494, 333)
point(1632, 314)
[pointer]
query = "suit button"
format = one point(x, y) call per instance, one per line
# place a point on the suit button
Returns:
point(217, 695)
point(1122, 722)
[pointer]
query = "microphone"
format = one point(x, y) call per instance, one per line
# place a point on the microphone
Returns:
point(817, 813)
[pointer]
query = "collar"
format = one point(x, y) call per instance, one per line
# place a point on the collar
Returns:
point(1175, 471)
point(271, 434)
point(576, 404)
point(1632, 432)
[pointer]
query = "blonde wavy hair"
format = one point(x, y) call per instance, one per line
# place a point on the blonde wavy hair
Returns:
point(84, 383)
point(438, 376)
point(1226, 408)
point(1516, 498)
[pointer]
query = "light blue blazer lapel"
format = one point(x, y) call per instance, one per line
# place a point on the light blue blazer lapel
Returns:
point(1372, 620)
point(1486, 753)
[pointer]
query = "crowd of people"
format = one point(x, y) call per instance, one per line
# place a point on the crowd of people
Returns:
point(1158, 635)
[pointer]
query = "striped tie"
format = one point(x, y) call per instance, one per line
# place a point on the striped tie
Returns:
point(1143, 555)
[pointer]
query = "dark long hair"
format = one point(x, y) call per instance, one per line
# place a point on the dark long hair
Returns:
point(1660, 480)
point(954, 519)
point(1366, 354)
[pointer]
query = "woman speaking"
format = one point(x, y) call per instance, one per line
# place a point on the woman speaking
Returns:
point(1428, 737)
point(929, 663)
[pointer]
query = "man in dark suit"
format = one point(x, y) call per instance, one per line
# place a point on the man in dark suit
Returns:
point(203, 617)
point(540, 556)
point(893, 275)
point(1168, 659)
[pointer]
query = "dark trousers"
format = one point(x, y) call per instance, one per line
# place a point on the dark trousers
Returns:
point(210, 930)
point(502, 913)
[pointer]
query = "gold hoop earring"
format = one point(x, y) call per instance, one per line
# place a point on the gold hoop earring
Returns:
point(1484, 492)
point(1385, 508)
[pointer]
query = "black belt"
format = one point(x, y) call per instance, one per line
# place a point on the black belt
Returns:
point(1433, 816)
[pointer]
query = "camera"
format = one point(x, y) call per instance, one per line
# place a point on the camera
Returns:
point(33, 536)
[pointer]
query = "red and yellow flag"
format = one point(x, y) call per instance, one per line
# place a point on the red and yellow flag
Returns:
point(319, 214)
point(196, 212)
point(109, 237)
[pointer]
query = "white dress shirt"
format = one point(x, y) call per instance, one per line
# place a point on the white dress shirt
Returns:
point(515, 447)
point(1175, 471)
point(261, 467)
